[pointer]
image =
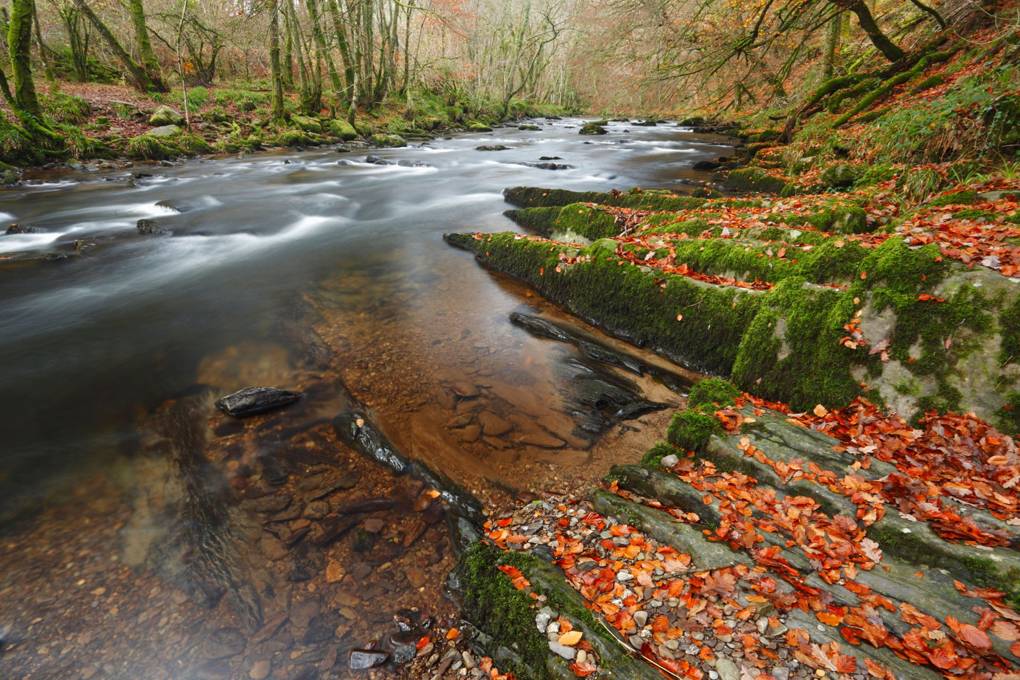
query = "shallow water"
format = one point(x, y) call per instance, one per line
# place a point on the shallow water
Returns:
point(126, 499)
point(88, 340)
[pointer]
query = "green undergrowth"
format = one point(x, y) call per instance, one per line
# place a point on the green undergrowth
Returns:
point(539, 197)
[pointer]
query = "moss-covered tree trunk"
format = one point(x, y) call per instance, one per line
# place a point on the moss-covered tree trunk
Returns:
point(879, 39)
point(832, 45)
point(19, 46)
point(142, 42)
point(136, 74)
point(274, 59)
point(344, 45)
point(320, 44)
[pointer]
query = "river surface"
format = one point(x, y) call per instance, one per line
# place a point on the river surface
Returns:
point(309, 270)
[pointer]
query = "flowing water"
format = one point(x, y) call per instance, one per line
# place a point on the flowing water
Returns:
point(313, 271)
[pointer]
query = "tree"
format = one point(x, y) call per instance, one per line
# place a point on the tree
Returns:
point(868, 24)
point(142, 42)
point(274, 59)
point(19, 46)
point(141, 78)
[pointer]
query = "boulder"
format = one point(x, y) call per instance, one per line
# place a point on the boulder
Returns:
point(164, 131)
point(342, 129)
point(254, 400)
point(150, 228)
point(306, 123)
point(593, 129)
point(20, 229)
point(164, 115)
point(475, 126)
point(382, 139)
point(492, 147)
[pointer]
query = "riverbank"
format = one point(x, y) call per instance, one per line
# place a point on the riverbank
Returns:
point(108, 123)
point(844, 505)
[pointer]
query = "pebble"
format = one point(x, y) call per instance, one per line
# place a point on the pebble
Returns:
point(260, 669)
point(567, 653)
point(670, 460)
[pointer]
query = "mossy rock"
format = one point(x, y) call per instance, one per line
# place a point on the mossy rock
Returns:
point(529, 127)
point(655, 199)
point(164, 115)
point(754, 179)
point(382, 139)
point(691, 429)
point(587, 221)
point(342, 129)
point(307, 123)
point(593, 129)
point(840, 176)
point(293, 138)
point(717, 392)
point(151, 148)
point(164, 131)
point(476, 126)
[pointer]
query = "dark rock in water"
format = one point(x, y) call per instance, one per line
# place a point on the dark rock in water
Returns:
point(593, 129)
point(647, 123)
point(21, 229)
point(413, 164)
point(363, 659)
point(375, 160)
point(224, 643)
point(321, 628)
point(550, 158)
point(150, 228)
point(254, 400)
point(706, 165)
point(550, 166)
point(492, 147)
point(528, 126)
point(167, 205)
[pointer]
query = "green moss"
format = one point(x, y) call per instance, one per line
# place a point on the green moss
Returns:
point(293, 138)
point(1009, 322)
point(653, 457)
point(587, 221)
point(975, 214)
point(503, 612)
point(791, 352)
point(381, 139)
point(837, 216)
point(754, 179)
point(665, 223)
point(538, 197)
point(717, 392)
point(928, 83)
point(691, 429)
point(593, 129)
point(150, 148)
point(840, 176)
point(965, 197)
point(342, 129)
point(831, 261)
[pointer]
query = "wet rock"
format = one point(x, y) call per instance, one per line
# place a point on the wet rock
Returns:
point(260, 669)
point(593, 129)
point(321, 628)
point(373, 525)
point(493, 425)
point(272, 548)
point(542, 440)
point(550, 158)
point(150, 228)
point(706, 165)
point(471, 433)
point(550, 166)
point(20, 229)
point(254, 400)
point(363, 659)
point(492, 147)
point(528, 126)
point(224, 643)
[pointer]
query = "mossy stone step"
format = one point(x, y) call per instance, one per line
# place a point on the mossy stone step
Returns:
point(508, 616)
point(668, 531)
point(653, 199)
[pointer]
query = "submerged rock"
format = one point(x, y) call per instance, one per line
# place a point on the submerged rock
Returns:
point(492, 147)
point(150, 228)
point(363, 659)
point(20, 229)
point(550, 166)
point(254, 400)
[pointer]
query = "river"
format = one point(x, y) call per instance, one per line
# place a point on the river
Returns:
point(314, 271)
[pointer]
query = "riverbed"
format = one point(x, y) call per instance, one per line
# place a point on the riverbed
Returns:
point(147, 535)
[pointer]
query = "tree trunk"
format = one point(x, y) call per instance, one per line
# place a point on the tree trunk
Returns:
point(320, 44)
point(287, 67)
point(274, 59)
point(142, 42)
point(879, 39)
point(832, 45)
point(345, 50)
point(19, 45)
point(138, 76)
